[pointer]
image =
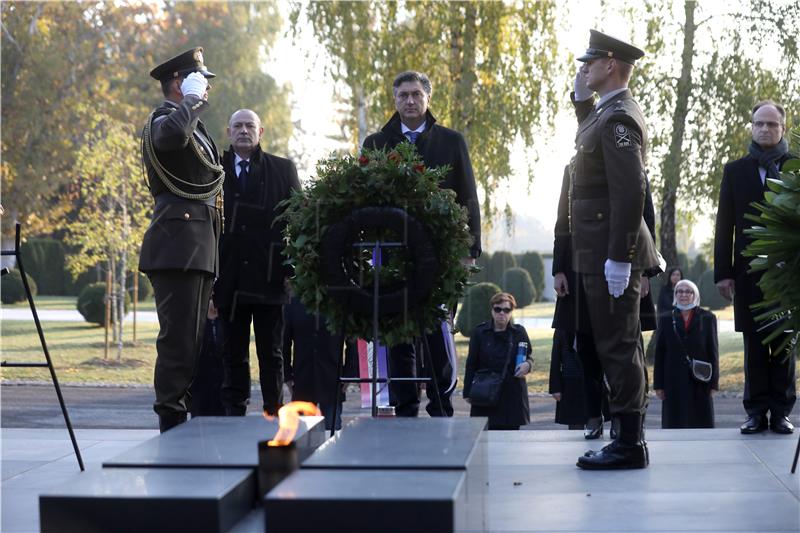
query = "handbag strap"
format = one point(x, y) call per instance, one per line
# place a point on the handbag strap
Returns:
point(680, 340)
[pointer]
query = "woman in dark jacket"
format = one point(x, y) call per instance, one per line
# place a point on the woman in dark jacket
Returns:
point(667, 295)
point(494, 345)
point(566, 383)
point(692, 331)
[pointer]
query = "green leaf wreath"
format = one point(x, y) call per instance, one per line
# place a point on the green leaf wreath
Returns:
point(378, 178)
point(776, 251)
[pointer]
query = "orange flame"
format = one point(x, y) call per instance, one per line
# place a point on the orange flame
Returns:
point(289, 420)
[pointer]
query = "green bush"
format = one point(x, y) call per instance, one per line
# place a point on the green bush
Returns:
point(483, 263)
point(533, 263)
point(91, 303)
point(518, 282)
point(74, 287)
point(498, 264)
point(699, 267)
point(709, 294)
point(44, 260)
point(11, 288)
point(145, 288)
point(475, 308)
point(684, 263)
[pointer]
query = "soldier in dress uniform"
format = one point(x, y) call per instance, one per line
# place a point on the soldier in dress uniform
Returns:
point(179, 249)
point(610, 242)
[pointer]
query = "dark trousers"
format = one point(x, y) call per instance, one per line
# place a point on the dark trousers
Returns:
point(616, 331)
point(595, 394)
point(769, 377)
point(267, 323)
point(181, 304)
point(403, 362)
point(206, 389)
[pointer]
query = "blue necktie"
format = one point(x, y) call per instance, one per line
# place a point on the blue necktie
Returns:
point(412, 136)
point(243, 175)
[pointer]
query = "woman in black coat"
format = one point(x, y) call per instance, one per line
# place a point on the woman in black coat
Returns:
point(692, 331)
point(566, 383)
point(494, 345)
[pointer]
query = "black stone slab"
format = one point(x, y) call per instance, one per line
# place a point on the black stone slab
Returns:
point(217, 442)
point(310, 501)
point(149, 499)
point(404, 443)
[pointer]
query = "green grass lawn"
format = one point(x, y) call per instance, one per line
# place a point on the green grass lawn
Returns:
point(68, 303)
point(78, 353)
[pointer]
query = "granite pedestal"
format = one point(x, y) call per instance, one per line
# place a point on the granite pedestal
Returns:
point(149, 499)
point(384, 474)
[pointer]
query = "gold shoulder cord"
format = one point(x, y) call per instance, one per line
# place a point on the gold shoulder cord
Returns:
point(168, 178)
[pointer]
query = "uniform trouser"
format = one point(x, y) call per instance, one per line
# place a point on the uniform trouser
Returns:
point(616, 332)
point(268, 328)
point(181, 303)
point(769, 377)
point(593, 387)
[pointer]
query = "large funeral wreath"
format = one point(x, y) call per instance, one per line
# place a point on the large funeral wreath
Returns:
point(391, 196)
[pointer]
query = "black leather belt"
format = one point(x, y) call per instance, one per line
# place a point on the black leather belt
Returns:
point(170, 198)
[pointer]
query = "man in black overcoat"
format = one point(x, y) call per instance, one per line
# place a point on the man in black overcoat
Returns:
point(769, 376)
point(252, 284)
point(179, 249)
point(439, 146)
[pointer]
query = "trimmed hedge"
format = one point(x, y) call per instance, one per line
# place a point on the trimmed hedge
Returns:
point(518, 282)
point(532, 262)
point(44, 260)
point(483, 263)
point(91, 303)
point(145, 288)
point(709, 294)
point(498, 264)
point(12, 290)
point(475, 308)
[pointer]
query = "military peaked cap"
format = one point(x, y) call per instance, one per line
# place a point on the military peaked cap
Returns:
point(602, 45)
point(181, 65)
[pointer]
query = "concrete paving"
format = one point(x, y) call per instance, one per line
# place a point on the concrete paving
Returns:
point(698, 480)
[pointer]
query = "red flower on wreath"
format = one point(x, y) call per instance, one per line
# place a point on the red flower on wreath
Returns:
point(363, 160)
point(394, 156)
point(419, 168)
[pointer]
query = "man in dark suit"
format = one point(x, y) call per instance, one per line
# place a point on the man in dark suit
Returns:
point(179, 249)
point(252, 279)
point(439, 146)
point(610, 243)
point(769, 377)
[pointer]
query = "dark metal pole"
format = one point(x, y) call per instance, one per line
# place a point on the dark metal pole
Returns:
point(44, 347)
point(338, 393)
point(376, 268)
point(796, 454)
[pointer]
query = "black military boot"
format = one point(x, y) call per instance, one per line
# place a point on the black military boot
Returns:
point(170, 419)
point(627, 451)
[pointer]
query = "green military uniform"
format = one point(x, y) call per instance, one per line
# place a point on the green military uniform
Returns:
point(607, 198)
point(179, 249)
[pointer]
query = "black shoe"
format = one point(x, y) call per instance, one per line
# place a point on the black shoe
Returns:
point(592, 432)
point(167, 421)
point(781, 424)
point(754, 424)
point(616, 456)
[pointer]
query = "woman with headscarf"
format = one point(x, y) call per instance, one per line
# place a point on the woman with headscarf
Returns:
point(689, 333)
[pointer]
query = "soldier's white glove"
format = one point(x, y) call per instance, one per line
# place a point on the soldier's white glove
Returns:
point(582, 92)
point(194, 84)
point(618, 275)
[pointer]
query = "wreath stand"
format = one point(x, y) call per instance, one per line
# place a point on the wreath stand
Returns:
point(383, 217)
point(49, 364)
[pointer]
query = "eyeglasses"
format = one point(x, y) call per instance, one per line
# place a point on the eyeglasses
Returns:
point(770, 125)
point(506, 310)
point(684, 291)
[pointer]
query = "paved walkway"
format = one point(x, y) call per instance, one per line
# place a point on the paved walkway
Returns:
point(63, 315)
point(698, 480)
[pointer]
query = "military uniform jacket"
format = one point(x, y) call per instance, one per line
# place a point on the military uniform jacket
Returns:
point(608, 188)
point(183, 233)
point(440, 146)
point(252, 266)
point(741, 186)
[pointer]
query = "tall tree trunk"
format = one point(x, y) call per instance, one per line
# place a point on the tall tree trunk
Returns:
point(671, 168)
point(462, 67)
point(361, 106)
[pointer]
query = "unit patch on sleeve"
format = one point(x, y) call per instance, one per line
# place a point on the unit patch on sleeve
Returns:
point(622, 136)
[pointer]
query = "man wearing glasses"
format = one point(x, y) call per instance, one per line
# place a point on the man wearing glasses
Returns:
point(769, 377)
point(439, 146)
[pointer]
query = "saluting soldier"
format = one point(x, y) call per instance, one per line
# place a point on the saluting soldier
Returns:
point(179, 249)
point(610, 243)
